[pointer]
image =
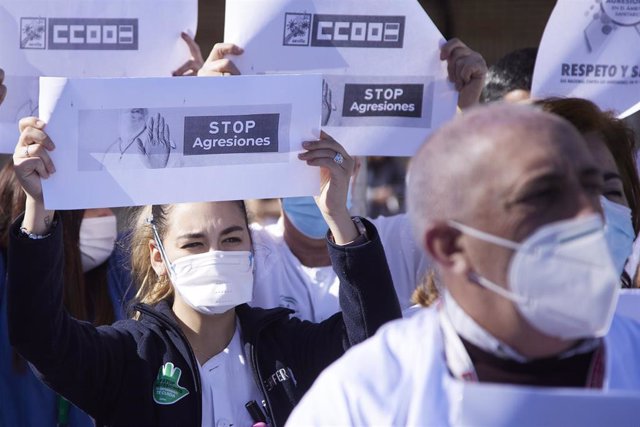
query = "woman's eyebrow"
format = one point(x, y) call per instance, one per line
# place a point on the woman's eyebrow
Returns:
point(191, 236)
point(231, 229)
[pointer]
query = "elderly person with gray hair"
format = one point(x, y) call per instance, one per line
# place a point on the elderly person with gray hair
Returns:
point(505, 200)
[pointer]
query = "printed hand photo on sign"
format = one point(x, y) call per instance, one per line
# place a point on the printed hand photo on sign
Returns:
point(327, 106)
point(155, 143)
point(142, 140)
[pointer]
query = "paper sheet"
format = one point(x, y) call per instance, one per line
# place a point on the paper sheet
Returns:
point(385, 88)
point(85, 38)
point(590, 50)
point(498, 405)
point(136, 141)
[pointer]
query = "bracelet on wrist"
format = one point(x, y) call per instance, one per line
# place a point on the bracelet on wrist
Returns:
point(33, 236)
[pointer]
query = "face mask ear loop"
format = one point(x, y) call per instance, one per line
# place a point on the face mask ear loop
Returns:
point(156, 237)
point(486, 237)
point(488, 284)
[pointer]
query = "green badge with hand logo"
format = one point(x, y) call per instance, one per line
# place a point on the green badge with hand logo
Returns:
point(166, 389)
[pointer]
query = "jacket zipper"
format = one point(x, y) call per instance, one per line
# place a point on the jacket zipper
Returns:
point(192, 357)
point(256, 373)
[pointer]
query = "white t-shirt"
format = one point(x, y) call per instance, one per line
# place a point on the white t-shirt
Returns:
point(227, 385)
point(282, 281)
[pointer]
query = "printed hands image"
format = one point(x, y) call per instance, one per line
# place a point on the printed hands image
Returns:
point(143, 141)
point(154, 143)
point(327, 106)
point(467, 70)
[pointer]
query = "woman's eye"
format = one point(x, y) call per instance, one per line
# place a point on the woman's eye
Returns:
point(190, 245)
point(232, 240)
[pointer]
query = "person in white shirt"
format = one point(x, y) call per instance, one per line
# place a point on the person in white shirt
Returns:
point(295, 269)
point(505, 200)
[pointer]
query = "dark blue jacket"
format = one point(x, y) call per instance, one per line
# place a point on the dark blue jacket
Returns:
point(111, 371)
point(25, 401)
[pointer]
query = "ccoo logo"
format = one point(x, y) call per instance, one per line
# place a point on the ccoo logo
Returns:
point(79, 33)
point(321, 30)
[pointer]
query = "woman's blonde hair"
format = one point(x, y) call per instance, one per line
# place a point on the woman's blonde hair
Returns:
point(151, 288)
point(427, 291)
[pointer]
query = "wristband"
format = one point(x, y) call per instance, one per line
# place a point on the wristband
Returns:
point(33, 236)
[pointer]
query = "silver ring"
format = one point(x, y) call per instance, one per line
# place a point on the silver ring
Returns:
point(338, 158)
point(26, 151)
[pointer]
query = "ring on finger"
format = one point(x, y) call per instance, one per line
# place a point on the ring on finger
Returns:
point(26, 151)
point(338, 158)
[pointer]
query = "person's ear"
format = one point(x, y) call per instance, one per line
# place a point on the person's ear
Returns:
point(157, 263)
point(444, 244)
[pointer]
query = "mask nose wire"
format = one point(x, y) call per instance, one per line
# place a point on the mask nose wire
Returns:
point(156, 237)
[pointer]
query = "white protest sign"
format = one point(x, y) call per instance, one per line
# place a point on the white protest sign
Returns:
point(629, 304)
point(590, 50)
point(136, 141)
point(385, 89)
point(85, 38)
point(498, 405)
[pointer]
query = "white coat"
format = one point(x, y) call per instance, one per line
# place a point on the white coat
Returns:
point(399, 377)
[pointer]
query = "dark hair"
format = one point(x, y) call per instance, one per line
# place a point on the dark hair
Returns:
point(587, 117)
point(513, 71)
point(90, 303)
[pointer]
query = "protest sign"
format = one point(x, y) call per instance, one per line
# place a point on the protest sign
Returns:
point(589, 50)
point(135, 141)
point(80, 38)
point(385, 88)
point(501, 405)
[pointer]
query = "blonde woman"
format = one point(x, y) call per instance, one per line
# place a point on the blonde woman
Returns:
point(195, 354)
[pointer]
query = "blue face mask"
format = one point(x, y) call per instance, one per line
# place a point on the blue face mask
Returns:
point(306, 217)
point(618, 231)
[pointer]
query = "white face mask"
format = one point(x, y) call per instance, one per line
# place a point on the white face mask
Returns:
point(618, 230)
point(561, 277)
point(213, 282)
point(97, 238)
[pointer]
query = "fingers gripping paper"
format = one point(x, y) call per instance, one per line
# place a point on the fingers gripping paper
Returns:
point(79, 38)
point(136, 141)
point(590, 50)
point(384, 90)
